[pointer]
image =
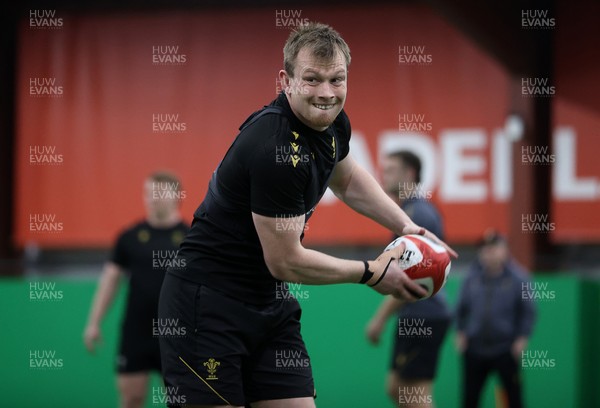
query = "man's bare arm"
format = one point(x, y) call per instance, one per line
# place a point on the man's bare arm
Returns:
point(107, 287)
point(388, 307)
point(360, 191)
point(289, 261)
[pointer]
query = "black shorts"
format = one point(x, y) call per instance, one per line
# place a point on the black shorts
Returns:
point(218, 350)
point(416, 347)
point(137, 352)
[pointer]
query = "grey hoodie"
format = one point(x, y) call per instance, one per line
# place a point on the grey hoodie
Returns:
point(494, 311)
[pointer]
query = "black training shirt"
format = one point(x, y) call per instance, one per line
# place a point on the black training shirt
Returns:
point(145, 253)
point(276, 167)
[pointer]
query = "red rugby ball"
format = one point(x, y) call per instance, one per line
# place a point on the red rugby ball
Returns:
point(424, 261)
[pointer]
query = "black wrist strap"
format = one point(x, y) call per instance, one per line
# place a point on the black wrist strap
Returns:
point(367, 275)
point(384, 272)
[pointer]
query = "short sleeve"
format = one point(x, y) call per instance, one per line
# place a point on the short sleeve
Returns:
point(278, 180)
point(343, 131)
point(119, 253)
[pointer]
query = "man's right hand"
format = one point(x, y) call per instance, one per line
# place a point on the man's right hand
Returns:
point(395, 281)
point(91, 336)
point(374, 329)
point(461, 342)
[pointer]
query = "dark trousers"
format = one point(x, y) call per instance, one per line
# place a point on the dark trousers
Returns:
point(476, 370)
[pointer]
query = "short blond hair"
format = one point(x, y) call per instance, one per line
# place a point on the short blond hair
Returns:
point(322, 40)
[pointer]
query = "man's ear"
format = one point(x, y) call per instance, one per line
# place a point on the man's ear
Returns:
point(284, 79)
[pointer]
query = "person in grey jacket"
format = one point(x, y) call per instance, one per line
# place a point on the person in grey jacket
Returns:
point(494, 321)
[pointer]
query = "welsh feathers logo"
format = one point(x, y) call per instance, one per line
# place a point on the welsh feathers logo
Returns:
point(211, 367)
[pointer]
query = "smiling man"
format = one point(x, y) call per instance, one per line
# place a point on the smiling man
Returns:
point(243, 344)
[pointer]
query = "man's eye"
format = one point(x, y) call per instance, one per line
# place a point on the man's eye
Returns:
point(311, 80)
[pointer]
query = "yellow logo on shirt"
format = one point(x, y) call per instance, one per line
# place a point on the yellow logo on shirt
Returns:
point(211, 366)
point(295, 160)
point(177, 237)
point(296, 147)
point(143, 235)
point(333, 146)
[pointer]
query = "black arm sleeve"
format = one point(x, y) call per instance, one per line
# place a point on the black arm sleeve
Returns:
point(119, 253)
point(343, 131)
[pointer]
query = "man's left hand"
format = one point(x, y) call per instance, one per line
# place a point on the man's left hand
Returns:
point(416, 230)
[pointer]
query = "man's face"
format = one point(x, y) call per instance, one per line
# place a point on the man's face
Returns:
point(395, 176)
point(317, 90)
point(160, 202)
point(493, 257)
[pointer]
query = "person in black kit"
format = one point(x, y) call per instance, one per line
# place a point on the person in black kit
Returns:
point(415, 357)
point(142, 253)
point(246, 240)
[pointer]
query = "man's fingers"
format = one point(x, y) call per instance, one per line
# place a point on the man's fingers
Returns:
point(402, 293)
point(438, 241)
point(89, 346)
point(416, 294)
point(415, 229)
point(407, 289)
point(416, 290)
point(413, 289)
point(397, 283)
point(451, 251)
point(91, 341)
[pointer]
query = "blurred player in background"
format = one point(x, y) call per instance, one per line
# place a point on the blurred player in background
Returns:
point(414, 358)
point(246, 239)
point(142, 253)
point(494, 321)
